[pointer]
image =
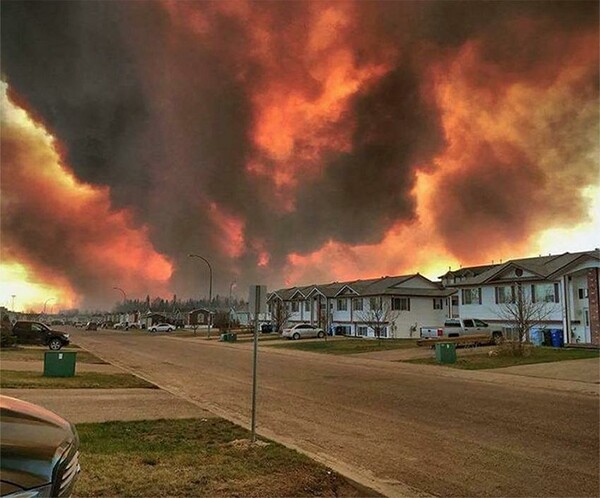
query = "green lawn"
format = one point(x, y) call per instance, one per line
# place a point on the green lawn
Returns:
point(537, 355)
point(32, 353)
point(348, 346)
point(88, 380)
point(196, 457)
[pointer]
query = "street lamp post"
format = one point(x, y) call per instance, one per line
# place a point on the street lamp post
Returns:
point(124, 302)
point(122, 292)
point(230, 308)
point(45, 303)
point(209, 288)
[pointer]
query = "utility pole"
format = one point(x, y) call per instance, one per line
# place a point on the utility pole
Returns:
point(13, 301)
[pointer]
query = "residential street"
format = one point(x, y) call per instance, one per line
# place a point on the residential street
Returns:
point(405, 427)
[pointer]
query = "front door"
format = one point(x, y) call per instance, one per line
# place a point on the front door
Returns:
point(586, 326)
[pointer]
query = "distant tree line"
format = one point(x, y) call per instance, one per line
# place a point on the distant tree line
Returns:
point(160, 304)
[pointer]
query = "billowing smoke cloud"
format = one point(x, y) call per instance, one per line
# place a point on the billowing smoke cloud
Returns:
point(269, 135)
point(66, 232)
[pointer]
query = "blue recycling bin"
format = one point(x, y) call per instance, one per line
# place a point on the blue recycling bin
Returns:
point(557, 338)
point(536, 336)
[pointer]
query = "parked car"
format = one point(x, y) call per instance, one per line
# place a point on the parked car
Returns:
point(463, 327)
point(40, 451)
point(91, 326)
point(121, 326)
point(302, 330)
point(162, 327)
point(28, 332)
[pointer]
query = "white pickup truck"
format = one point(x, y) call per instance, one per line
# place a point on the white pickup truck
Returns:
point(462, 327)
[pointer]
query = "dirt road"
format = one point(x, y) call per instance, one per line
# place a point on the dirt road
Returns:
point(403, 426)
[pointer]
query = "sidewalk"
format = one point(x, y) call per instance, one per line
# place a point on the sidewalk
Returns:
point(102, 405)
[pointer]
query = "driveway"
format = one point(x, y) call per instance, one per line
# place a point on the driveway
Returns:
point(399, 428)
point(102, 405)
point(575, 370)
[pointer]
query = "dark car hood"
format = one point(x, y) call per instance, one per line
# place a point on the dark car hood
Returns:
point(33, 440)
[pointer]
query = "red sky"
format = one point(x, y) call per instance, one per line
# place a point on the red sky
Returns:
point(289, 143)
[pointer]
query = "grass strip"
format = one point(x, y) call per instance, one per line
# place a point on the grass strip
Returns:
point(348, 346)
point(12, 379)
point(484, 361)
point(196, 457)
point(37, 354)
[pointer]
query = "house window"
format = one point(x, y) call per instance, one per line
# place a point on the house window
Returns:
point(401, 303)
point(306, 305)
point(383, 332)
point(362, 331)
point(375, 303)
point(544, 293)
point(438, 303)
point(342, 304)
point(583, 293)
point(505, 294)
point(357, 304)
point(295, 306)
point(471, 296)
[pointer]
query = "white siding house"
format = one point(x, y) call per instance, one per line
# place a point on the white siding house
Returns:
point(565, 286)
point(397, 306)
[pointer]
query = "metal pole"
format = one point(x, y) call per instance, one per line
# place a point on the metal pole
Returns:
point(209, 288)
point(13, 301)
point(254, 361)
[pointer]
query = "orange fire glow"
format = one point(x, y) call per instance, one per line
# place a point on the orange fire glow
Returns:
point(64, 220)
point(229, 230)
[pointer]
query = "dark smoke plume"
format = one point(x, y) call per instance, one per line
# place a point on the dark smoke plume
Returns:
point(174, 107)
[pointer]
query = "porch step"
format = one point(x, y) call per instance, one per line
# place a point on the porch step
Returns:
point(592, 347)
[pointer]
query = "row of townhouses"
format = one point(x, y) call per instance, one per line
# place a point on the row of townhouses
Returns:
point(566, 284)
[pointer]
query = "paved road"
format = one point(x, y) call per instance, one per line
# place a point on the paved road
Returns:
point(404, 426)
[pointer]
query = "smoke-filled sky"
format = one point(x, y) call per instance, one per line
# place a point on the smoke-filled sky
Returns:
point(289, 142)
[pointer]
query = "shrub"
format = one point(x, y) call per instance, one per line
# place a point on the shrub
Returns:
point(513, 348)
point(221, 320)
point(7, 339)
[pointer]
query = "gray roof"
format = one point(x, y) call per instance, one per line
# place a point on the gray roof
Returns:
point(544, 267)
point(370, 287)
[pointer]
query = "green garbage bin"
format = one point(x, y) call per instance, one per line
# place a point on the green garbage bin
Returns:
point(445, 352)
point(59, 364)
